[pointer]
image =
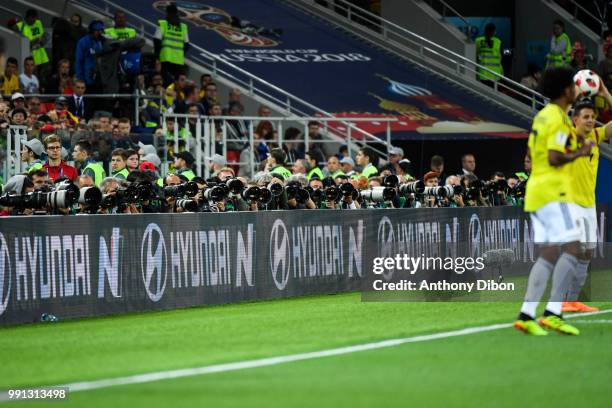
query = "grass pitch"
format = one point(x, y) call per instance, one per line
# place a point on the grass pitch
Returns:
point(496, 368)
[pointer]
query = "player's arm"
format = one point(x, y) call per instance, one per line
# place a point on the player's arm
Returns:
point(605, 94)
point(557, 154)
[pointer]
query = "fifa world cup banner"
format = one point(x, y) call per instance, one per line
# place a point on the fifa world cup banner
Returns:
point(84, 266)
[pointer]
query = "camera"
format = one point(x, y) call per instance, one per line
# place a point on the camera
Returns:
point(295, 191)
point(188, 189)
point(414, 187)
point(215, 193)
point(378, 194)
point(187, 204)
point(234, 185)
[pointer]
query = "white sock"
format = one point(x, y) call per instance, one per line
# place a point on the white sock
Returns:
point(562, 275)
point(580, 276)
point(538, 278)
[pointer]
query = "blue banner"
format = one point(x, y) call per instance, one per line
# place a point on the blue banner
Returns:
point(333, 71)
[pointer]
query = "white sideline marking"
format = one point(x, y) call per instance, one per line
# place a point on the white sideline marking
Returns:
point(241, 365)
point(600, 321)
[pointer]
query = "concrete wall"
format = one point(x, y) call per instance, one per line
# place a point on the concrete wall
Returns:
point(420, 18)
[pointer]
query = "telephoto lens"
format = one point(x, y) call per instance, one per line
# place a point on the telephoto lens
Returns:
point(191, 188)
point(234, 185)
point(332, 193)
point(251, 194)
point(378, 194)
point(276, 189)
point(265, 196)
point(214, 194)
point(391, 181)
point(174, 191)
point(347, 189)
point(414, 187)
point(108, 201)
point(90, 196)
point(187, 204)
point(316, 195)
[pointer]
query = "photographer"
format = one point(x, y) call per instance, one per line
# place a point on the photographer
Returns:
point(110, 187)
point(297, 197)
point(473, 192)
point(431, 179)
point(16, 186)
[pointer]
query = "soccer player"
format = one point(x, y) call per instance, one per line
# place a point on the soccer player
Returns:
point(548, 198)
point(584, 170)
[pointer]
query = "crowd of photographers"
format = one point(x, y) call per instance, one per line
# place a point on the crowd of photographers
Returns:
point(52, 186)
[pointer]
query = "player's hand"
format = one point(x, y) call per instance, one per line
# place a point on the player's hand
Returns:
point(586, 148)
point(603, 90)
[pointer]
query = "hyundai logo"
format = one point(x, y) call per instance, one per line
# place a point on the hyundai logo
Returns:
point(279, 254)
point(5, 275)
point(154, 262)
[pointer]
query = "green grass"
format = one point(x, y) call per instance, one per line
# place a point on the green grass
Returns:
point(502, 367)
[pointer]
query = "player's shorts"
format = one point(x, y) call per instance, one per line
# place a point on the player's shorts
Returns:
point(556, 223)
point(587, 220)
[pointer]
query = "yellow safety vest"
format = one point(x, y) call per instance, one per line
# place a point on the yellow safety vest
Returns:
point(98, 170)
point(172, 43)
point(562, 59)
point(489, 57)
point(120, 33)
point(34, 32)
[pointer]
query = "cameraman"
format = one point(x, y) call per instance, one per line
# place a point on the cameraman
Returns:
point(498, 189)
point(299, 181)
point(109, 187)
point(431, 179)
point(457, 200)
point(17, 185)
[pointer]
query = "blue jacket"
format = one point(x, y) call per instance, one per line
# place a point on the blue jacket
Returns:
point(85, 60)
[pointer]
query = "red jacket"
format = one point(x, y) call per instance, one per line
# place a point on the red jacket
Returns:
point(63, 170)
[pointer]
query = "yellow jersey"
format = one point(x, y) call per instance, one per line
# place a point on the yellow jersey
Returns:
point(551, 130)
point(584, 171)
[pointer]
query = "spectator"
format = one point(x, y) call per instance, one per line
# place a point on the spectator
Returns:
point(171, 41)
point(348, 166)
point(31, 151)
point(437, 165)
point(293, 146)
point(19, 116)
point(183, 163)
point(10, 81)
point(405, 170)
point(82, 155)
point(468, 165)
point(133, 159)
point(264, 111)
point(276, 163)
point(234, 96)
point(333, 167)
point(313, 159)
point(367, 159)
point(55, 167)
point(87, 49)
point(489, 55)
point(604, 68)
point(120, 31)
point(78, 104)
point(34, 31)
point(532, 78)
point(205, 79)
point(28, 81)
point(174, 91)
point(61, 81)
point(18, 101)
point(302, 166)
point(217, 162)
point(237, 133)
point(395, 155)
point(210, 96)
point(118, 165)
point(77, 23)
point(579, 61)
point(560, 47)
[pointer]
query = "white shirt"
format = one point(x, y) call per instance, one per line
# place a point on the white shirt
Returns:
point(29, 85)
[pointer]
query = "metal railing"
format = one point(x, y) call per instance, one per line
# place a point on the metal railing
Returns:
point(576, 8)
point(444, 7)
point(430, 51)
point(253, 85)
point(212, 131)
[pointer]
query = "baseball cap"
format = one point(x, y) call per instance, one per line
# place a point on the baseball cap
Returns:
point(96, 25)
point(396, 151)
point(61, 101)
point(147, 148)
point(48, 128)
point(17, 95)
point(153, 158)
point(217, 159)
point(188, 157)
point(34, 145)
point(347, 160)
